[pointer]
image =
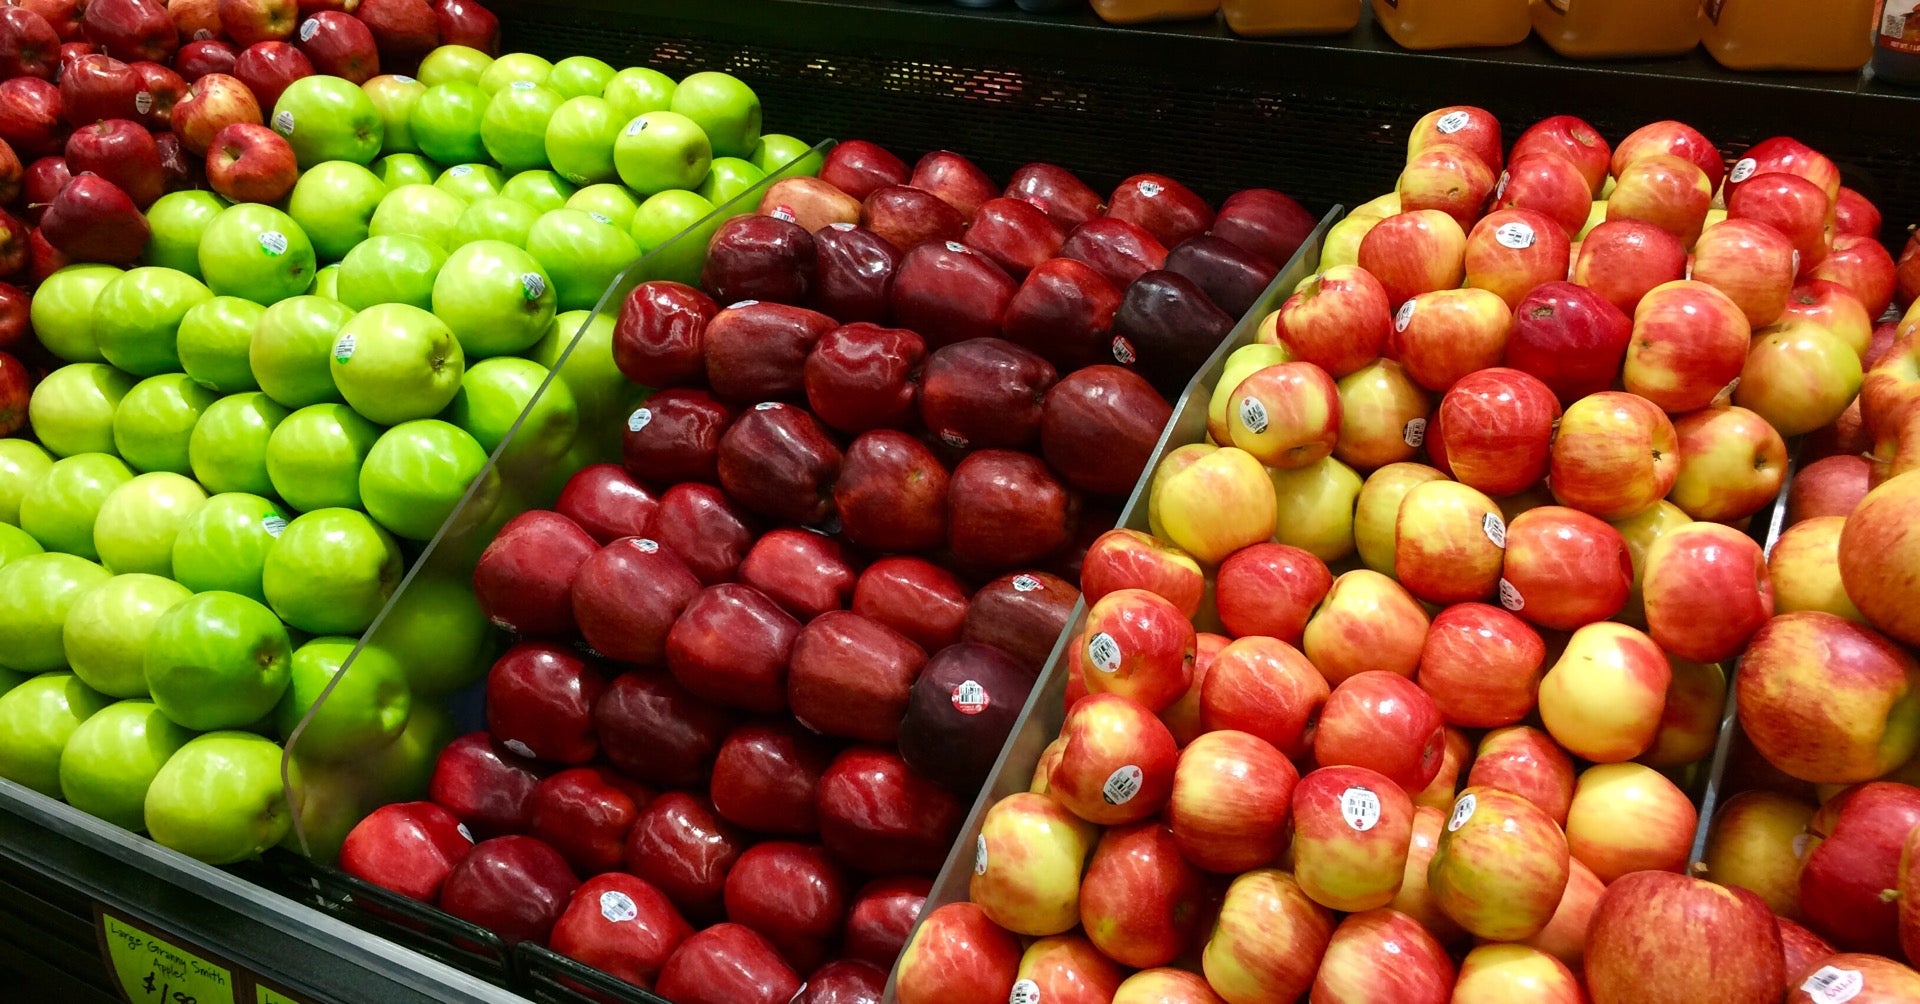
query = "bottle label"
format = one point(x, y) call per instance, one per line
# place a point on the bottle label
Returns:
point(1900, 26)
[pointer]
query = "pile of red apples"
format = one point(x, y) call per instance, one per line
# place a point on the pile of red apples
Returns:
point(764, 663)
point(1400, 698)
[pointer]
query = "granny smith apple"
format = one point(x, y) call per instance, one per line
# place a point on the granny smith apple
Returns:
point(107, 629)
point(220, 798)
point(494, 218)
point(62, 311)
point(137, 317)
point(729, 178)
point(399, 169)
point(60, 509)
point(177, 219)
point(638, 90)
point(333, 202)
point(396, 268)
point(682, 257)
point(468, 182)
point(328, 118)
point(599, 388)
point(72, 409)
point(36, 720)
point(155, 420)
point(661, 150)
point(453, 64)
point(400, 771)
point(292, 348)
point(422, 211)
point(37, 592)
point(725, 108)
point(224, 546)
point(786, 156)
point(326, 282)
point(494, 394)
point(393, 97)
point(219, 660)
point(523, 67)
point(257, 252)
point(366, 710)
point(314, 457)
point(495, 297)
point(395, 362)
point(575, 76)
point(22, 463)
point(542, 191)
point(137, 523)
point(666, 214)
point(446, 123)
point(16, 543)
point(608, 203)
point(580, 138)
point(582, 255)
point(434, 630)
point(112, 758)
point(330, 571)
point(228, 448)
point(214, 339)
point(514, 128)
point(417, 475)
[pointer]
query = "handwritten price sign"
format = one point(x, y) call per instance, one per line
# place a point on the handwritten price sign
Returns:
point(155, 969)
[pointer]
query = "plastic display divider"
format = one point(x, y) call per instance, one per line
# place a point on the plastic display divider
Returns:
point(551, 978)
point(408, 922)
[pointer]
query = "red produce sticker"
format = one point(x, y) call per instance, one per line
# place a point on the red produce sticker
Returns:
point(970, 698)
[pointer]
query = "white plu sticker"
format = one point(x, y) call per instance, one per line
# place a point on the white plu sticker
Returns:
point(1025, 992)
point(1833, 985)
point(841, 227)
point(1726, 393)
point(1453, 122)
point(533, 285)
point(601, 218)
point(1462, 811)
point(767, 406)
point(1025, 583)
point(742, 303)
point(1743, 169)
point(1253, 415)
point(309, 28)
point(970, 698)
point(1360, 807)
point(1500, 190)
point(274, 523)
point(1516, 235)
point(1510, 596)
point(1150, 189)
point(1403, 316)
point(462, 828)
point(647, 545)
point(980, 855)
point(403, 78)
point(1104, 653)
point(1495, 528)
point(1123, 351)
point(283, 122)
point(460, 170)
point(956, 247)
point(516, 746)
point(1122, 785)
point(617, 906)
point(1414, 433)
point(273, 242)
point(343, 349)
point(522, 85)
point(639, 419)
point(635, 127)
point(143, 102)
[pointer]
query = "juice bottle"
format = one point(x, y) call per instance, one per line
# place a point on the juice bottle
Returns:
point(1453, 24)
point(1602, 29)
point(1788, 34)
point(1136, 11)
point(1291, 17)
point(1896, 51)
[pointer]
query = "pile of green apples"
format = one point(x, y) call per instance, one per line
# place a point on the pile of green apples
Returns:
point(258, 431)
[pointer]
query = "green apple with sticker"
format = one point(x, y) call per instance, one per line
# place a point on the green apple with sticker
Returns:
point(224, 545)
point(394, 363)
point(291, 349)
point(330, 571)
point(328, 118)
point(582, 255)
point(256, 252)
point(468, 182)
point(495, 297)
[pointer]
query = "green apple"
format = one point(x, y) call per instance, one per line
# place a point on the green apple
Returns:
point(494, 218)
point(219, 660)
point(22, 464)
point(155, 420)
point(331, 570)
point(638, 90)
point(514, 128)
point(220, 798)
point(72, 409)
point(666, 214)
point(60, 510)
point(422, 211)
point(36, 720)
point(725, 108)
point(575, 76)
point(729, 178)
point(326, 282)
point(468, 182)
point(331, 801)
point(495, 297)
point(401, 770)
point(681, 256)
point(542, 191)
point(582, 255)
point(291, 348)
point(328, 118)
point(62, 311)
point(434, 630)
point(492, 397)
point(16, 543)
point(397, 268)
point(514, 66)
point(333, 203)
point(228, 448)
point(661, 150)
point(112, 758)
point(177, 219)
point(224, 546)
point(599, 388)
point(257, 252)
point(446, 123)
point(580, 138)
point(215, 337)
point(393, 97)
point(450, 64)
point(786, 156)
point(399, 169)
point(365, 711)
point(10, 679)
point(606, 203)
point(314, 457)
point(107, 629)
point(137, 317)
point(37, 592)
point(418, 473)
point(137, 523)
point(395, 362)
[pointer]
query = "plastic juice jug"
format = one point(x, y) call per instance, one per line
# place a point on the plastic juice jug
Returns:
point(1603, 29)
point(1453, 24)
point(1896, 52)
point(1291, 17)
point(1136, 11)
point(1788, 34)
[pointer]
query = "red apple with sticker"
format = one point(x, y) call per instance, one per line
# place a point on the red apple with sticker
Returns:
point(1570, 138)
point(1442, 336)
point(1548, 183)
point(1512, 250)
point(1118, 763)
point(1564, 568)
point(1161, 206)
point(1448, 543)
point(1413, 253)
point(212, 102)
point(1352, 827)
point(1286, 416)
point(1785, 155)
point(1500, 867)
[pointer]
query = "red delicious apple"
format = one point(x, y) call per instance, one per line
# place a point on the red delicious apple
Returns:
point(807, 573)
point(63, 15)
point(98, 87)
point(1161, 206)
point(844, 981)
point(1064, 311)
point(705, 529)
point(909, 217)
point(680, 846)
point(653, 729)
point(852, 271)
point(1231, 277)
point(251, 163)
point(984, 393)
point(754, 257)
point(585, 816)
point(1167, 328)
point(1570, 338)
point(29, 47)
point(1057, 192)
point(249, 22)
point(959, 713)
point(882, 917)
point(1017, 235)
point(627, 595)
point(768, 778)
point(1005, 509)
point(122, 152)
point(851, 676)
point(730, 647)
point(12, 172)
point(93, 220)
point(777, 461)
point(606, 502)
point(914, 597)
point(949, 292)
point(514, 886)
point(540, 702)
point(1265, 223)
point(660, 338)
point(1120, 251)
point(727, 964)
point(859, 168)
point(675, 437)
point(879, 817)
point(160, 90)
point(44, 258)
point(269, 67)
point(30, 116)
point(15, 244)
point(406, 847)
point(621, 925)
point(404, 29)
point(209, 55)
point(485, 784)
point(1022, 614)
point(15, 327)
point(793, 894)
point(1622, 259)
point(212, 102)
point(955, 180)
point(862, 376)
point(131, 29)
point(757, 351)
point(524, 578)
point(40, 182)
point(465, 22)
point(891, 495)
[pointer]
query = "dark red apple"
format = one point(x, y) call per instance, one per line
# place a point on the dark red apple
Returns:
point(1161, 206)
point(758, 351)
point(43, 258)
point(727, 964)
point(1022, 614)
point(1264, 223)
point(621, 925)
point(882, 918)
point(12, 172)
point(777, 461)
point(729, 647)
point(540, 702)
point(1169, 327)
point(1017, 235)
point(487, 785)
point(606, 502)
point(1057, 192)
point(98, 87)
point(915, 597)
point(1005, 509)
point(1098, 428)
point(93, 220)
point(793, 894)
point(852, 272)
point(844, 981)
point(681, 846)
point(131, 29)
point(879, 817)
point(675, 437)
point(709, 533)
point(63, 15)
point(339, 45)
point(892, 494)
point(1117, 249)
point(963, 706)
point(626, 596)
point(1231, 277)
point(1064, 311)
point(407, 847)
point(16, 328)
point(42, 180)
point(850, 676)
point(653, 729)
point(29, 47)
point(807, 573)
point(209, 55)
point(180, 172)
point(659, 340)
point(404, 29)
point(908, 217)
point(524, 579)
point(1570, 337)
point(755, 257)
point(514, 886)
point(31, 116)
point(949, 292)
point(984, 393)
point(862, 376)
point(16, 243)
point(955, 179)
point(858, 168)
point(466, 22)
point(584, 816)
point(160, 90)
point(268, 68)
point(767, 778)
